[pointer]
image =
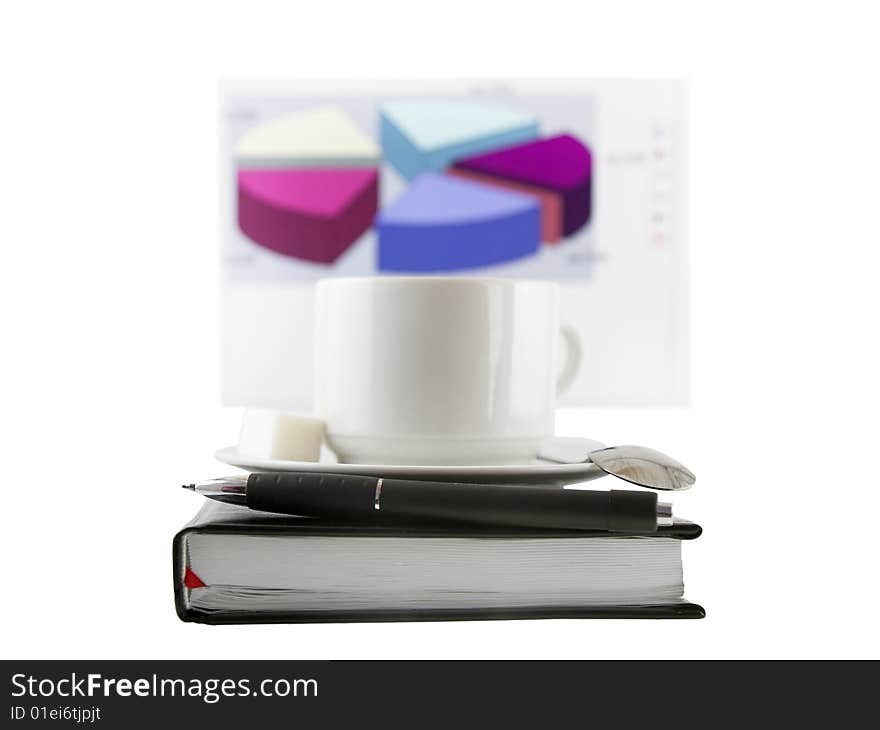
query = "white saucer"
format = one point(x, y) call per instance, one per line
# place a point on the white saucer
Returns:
point(538, 472)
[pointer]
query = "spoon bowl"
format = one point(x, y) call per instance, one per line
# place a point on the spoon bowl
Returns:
point(644, 467)
point(638, 465)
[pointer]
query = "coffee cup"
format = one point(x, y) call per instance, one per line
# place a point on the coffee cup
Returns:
point(440, 370)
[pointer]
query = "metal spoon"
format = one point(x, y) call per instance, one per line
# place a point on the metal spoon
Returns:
point(635, 464)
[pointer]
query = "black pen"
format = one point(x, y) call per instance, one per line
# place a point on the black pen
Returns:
point(346, 496)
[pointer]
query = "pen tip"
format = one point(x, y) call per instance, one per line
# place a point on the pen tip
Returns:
point(189, 486)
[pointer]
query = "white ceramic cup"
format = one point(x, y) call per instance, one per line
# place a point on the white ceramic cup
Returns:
point(440, 370)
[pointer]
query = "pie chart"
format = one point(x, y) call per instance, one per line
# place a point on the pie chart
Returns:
point(483, 186)
point(310, 214)
point(308, 184)
point(322, 137)
point(443, 223)
point(556, 170)
point(428, 135)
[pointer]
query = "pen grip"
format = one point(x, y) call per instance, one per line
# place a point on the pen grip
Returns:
point(521, 506)
point(311, 494)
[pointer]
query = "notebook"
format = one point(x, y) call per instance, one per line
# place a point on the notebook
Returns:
point(236, 565)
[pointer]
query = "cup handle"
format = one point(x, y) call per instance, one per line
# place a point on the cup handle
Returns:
point(573, 356)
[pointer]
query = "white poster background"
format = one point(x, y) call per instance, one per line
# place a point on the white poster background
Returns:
point(623, 278)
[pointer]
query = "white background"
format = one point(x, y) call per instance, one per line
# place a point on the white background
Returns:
point(110, 285)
